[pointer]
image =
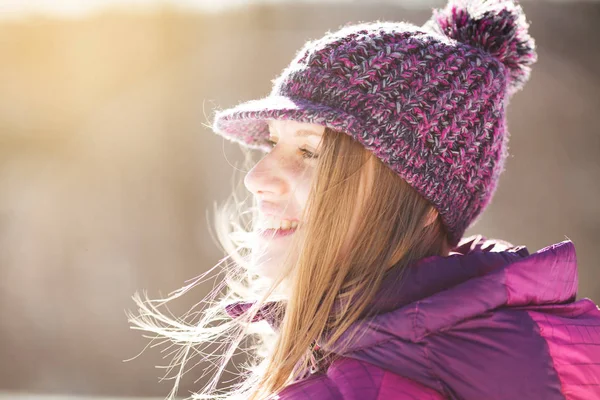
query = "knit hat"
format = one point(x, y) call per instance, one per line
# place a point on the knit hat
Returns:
point(428, 101)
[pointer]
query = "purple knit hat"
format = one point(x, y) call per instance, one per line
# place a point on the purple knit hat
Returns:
point(428, 101)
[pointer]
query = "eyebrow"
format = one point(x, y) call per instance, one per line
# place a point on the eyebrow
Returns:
point(305, 132)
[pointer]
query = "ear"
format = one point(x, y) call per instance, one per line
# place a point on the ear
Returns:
point(431, 216)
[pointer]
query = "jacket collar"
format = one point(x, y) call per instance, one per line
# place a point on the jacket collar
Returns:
point(473, 258)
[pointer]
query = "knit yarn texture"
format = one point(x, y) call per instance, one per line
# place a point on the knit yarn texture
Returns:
point(428, 101)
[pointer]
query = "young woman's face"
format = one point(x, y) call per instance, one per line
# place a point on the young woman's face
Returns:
point(281, 182)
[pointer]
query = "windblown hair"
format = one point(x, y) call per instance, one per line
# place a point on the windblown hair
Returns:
point(331, 275)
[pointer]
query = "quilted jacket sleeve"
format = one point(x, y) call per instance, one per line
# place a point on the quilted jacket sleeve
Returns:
point(350, 379)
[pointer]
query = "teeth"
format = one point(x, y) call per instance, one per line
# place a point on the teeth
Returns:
point(284, 224)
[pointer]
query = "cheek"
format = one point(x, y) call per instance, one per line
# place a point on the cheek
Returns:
point(302, 189)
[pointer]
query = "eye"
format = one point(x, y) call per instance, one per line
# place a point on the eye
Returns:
point(308, 154)
point(305, 153)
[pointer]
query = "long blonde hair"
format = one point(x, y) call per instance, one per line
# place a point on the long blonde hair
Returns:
point(331, 275)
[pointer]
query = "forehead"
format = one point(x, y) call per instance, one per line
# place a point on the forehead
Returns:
point(294, 128)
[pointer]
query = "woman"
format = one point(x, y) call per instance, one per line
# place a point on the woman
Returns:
point(383, 143)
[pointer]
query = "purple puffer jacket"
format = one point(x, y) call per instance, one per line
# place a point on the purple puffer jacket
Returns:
point(490, 321)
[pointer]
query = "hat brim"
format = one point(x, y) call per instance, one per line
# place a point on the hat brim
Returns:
point(247, 123)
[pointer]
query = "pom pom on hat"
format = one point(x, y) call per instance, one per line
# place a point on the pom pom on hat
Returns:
point(495, 26)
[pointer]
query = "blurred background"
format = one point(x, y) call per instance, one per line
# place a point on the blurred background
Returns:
point(108, 175)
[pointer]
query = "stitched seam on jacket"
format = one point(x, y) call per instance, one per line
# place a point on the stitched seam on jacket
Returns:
point(552, 359)
point(441, 387)
point(426, 353)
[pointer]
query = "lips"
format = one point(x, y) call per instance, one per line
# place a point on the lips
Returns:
point(276, 233)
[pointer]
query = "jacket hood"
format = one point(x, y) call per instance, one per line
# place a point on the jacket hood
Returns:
point(480, 275)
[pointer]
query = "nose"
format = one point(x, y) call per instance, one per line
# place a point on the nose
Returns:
point(267, 177)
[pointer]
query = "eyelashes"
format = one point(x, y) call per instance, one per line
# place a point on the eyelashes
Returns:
point(305, 153)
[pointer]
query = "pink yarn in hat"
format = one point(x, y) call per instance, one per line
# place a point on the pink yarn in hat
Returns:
point(428, 101)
